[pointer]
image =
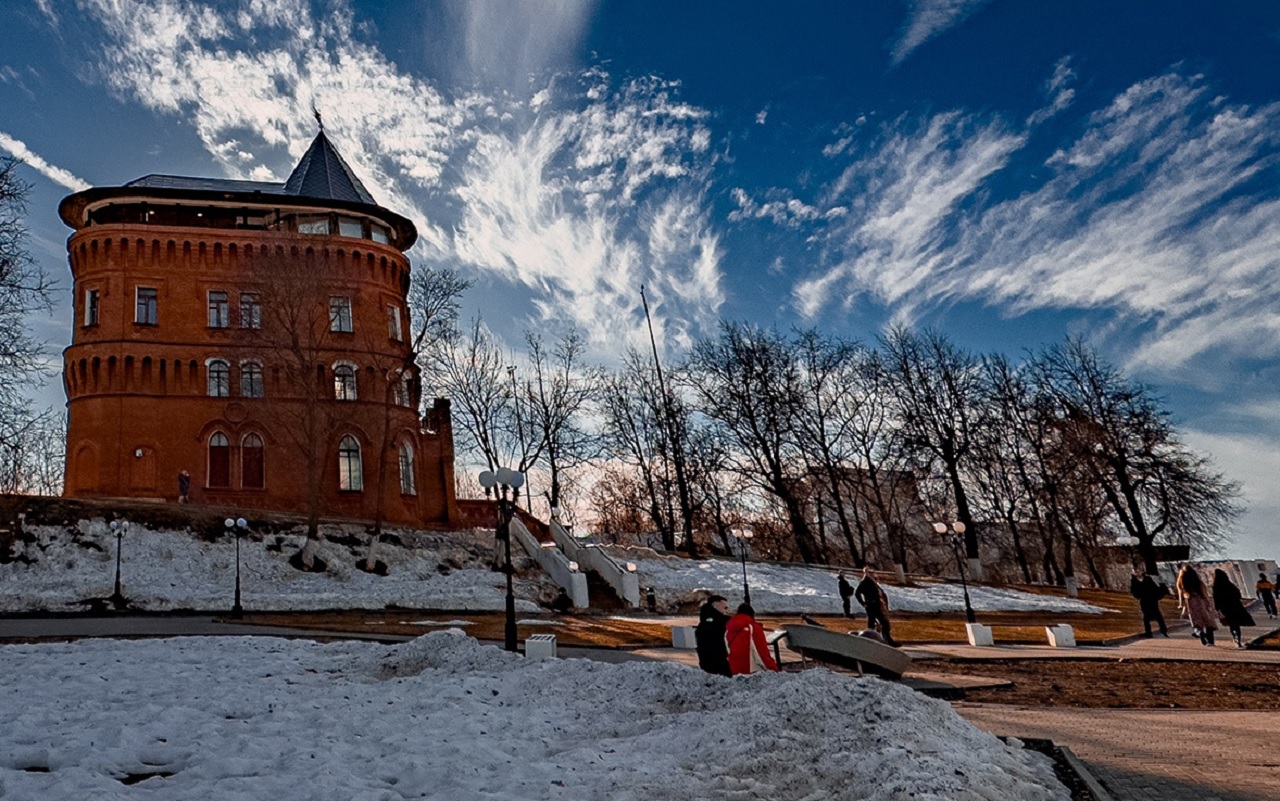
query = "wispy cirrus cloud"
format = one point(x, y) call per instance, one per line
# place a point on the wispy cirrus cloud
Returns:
point(929, 18)
point(580, 191)
point(1159, 214)
point(19, 150)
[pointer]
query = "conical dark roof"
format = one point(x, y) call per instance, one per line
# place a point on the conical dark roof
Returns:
point(323, 174)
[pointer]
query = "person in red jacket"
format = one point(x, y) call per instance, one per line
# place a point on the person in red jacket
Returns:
point(748, 650)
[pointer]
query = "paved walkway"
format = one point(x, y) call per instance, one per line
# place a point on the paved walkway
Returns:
point(1155, 754)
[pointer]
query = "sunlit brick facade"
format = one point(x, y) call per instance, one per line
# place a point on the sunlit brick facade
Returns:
point(179, 360)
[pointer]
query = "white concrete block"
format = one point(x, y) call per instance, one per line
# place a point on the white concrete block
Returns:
point(1061, 636)
point(540, 646)
point(979, 635)
point(682, 637)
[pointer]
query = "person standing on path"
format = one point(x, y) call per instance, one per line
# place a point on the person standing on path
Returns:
point(713, 653)
point(748, 648)
point(846, 593)
point(1148, 593)
point(1267, 594)
point(876, 603)
point(1194, 601)
point(1230, 606)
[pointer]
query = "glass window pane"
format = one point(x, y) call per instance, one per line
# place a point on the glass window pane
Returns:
point(251, 462)
point(350, 227)
point(393, 323)
point(350, 476)
point(251, 380)
point(407, 486)
point(219, 379)
point(250, 310)
point(340, 315)
point(378, 234)
point(313, 225)
point(145, 309)
point(219, 310)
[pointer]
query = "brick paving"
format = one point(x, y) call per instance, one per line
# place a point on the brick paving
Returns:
point(1156, 754)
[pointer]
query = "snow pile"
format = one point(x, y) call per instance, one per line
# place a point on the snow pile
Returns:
point(163, 570)
point(794, 588)
point(443, 717)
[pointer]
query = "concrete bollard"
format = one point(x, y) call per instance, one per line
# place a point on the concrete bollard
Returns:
point(1061, 636)
point(682, 637)
point(979, 635)
point(540, 646)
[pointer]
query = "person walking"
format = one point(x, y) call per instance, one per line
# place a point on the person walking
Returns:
point(184, 486)
point(873, 599)
point(1230, 606)
point(1194, 601)
point(846, 593)
point(713, 653)
point(748, 649)
point(1266, 592)
point(1148, 593)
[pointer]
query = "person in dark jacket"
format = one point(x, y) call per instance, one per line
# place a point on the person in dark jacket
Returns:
point(1267, 594)
point(1148, 593)
point(1226, 599)
point(713, 652)
point(876, 603)
point(562, 603)
point(846, 593)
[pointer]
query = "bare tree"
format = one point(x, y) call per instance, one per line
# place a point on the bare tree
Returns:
point(561, 390)
point(470, 369)
point(1118, 431)
point(938, 386)
point(748, 382)
point(25, 291)
point(636, 434)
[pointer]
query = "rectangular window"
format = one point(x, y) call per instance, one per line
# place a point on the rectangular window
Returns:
point(145, 309)
point(251, 380)
point(91, 307)
point(219, 310)
point(313, 225)
point(350, 227)
point(250, 310)
point(340, 315)
point(378, 234)
point(393, 324)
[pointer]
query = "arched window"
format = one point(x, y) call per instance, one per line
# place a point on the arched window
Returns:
point(219, 378)
point(250, 380)
point(252, 474)
point(344, 382)
point(350, 474)
point(219, 461)
point(407, 484)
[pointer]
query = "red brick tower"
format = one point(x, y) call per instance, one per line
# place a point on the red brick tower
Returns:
point(257, 336)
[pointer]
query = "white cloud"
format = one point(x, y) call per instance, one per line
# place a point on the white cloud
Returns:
point(19, 150)
point(928, 18)
point(1156, 214)
point(600, 190)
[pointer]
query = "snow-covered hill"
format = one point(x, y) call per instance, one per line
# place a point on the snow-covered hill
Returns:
point(443, 717)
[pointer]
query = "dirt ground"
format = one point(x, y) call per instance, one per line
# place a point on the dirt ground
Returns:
point(1134, 683)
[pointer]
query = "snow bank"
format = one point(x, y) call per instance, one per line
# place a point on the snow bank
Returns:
point(795, 588)
point(163, 570)
point(444, 717)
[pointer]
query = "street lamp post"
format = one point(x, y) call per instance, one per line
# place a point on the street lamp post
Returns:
point(237, 527)
point(119, 528)
point(505, 479)
point(953, 535)
point(744, 536)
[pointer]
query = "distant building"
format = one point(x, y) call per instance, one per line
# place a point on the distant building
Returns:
point(183, 357)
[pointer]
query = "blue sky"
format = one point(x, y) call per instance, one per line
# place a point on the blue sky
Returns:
point(1007, 171)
